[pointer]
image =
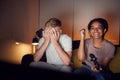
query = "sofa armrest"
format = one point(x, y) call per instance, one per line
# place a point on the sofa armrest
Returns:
point(27, 59)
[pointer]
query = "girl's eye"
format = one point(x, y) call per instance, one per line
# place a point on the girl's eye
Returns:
point(98, 28)
point(92, 28)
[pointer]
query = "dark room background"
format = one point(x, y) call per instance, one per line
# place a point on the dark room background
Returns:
point(20, 19)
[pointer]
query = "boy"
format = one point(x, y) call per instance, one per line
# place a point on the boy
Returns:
point(58, 48)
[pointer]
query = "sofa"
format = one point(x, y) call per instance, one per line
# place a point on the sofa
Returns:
point(113, 66)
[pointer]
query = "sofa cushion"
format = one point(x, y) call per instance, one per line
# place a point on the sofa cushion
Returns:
point(115, 63)
point(76, 62)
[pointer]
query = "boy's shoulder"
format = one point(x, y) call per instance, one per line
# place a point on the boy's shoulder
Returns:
point(65, 37)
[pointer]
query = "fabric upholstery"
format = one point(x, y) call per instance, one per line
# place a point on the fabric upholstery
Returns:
point(76, 62)
point(115, 63)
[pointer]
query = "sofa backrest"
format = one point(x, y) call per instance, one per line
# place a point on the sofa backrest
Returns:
point(75, 44)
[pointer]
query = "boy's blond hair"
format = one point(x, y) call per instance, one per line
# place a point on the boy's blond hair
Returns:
point(53, 22)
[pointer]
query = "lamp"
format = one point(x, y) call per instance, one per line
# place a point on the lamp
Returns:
point(35, 41)
point(39, 33)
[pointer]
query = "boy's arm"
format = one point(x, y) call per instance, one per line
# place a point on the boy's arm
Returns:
point(39, 53)
point(65, 56)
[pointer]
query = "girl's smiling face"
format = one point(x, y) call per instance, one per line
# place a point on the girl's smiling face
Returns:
point(96, 31)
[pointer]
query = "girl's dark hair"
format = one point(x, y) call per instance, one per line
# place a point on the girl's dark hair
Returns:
point(102, 21)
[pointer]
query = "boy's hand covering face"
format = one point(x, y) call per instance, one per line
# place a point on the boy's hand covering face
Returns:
point(54, 35)
point(46, 34)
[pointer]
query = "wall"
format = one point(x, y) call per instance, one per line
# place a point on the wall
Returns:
point(62, 9)
point(18, 22)
point(76, 14)
point(86, 10)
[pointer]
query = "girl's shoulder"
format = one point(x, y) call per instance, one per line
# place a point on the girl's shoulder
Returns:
point(108, 43)
point(88, 40)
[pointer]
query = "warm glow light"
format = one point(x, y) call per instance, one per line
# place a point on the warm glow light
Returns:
point(15, 51)
point(34, 48)
point(17, 43)
point(20, 51)
point(34, 43)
